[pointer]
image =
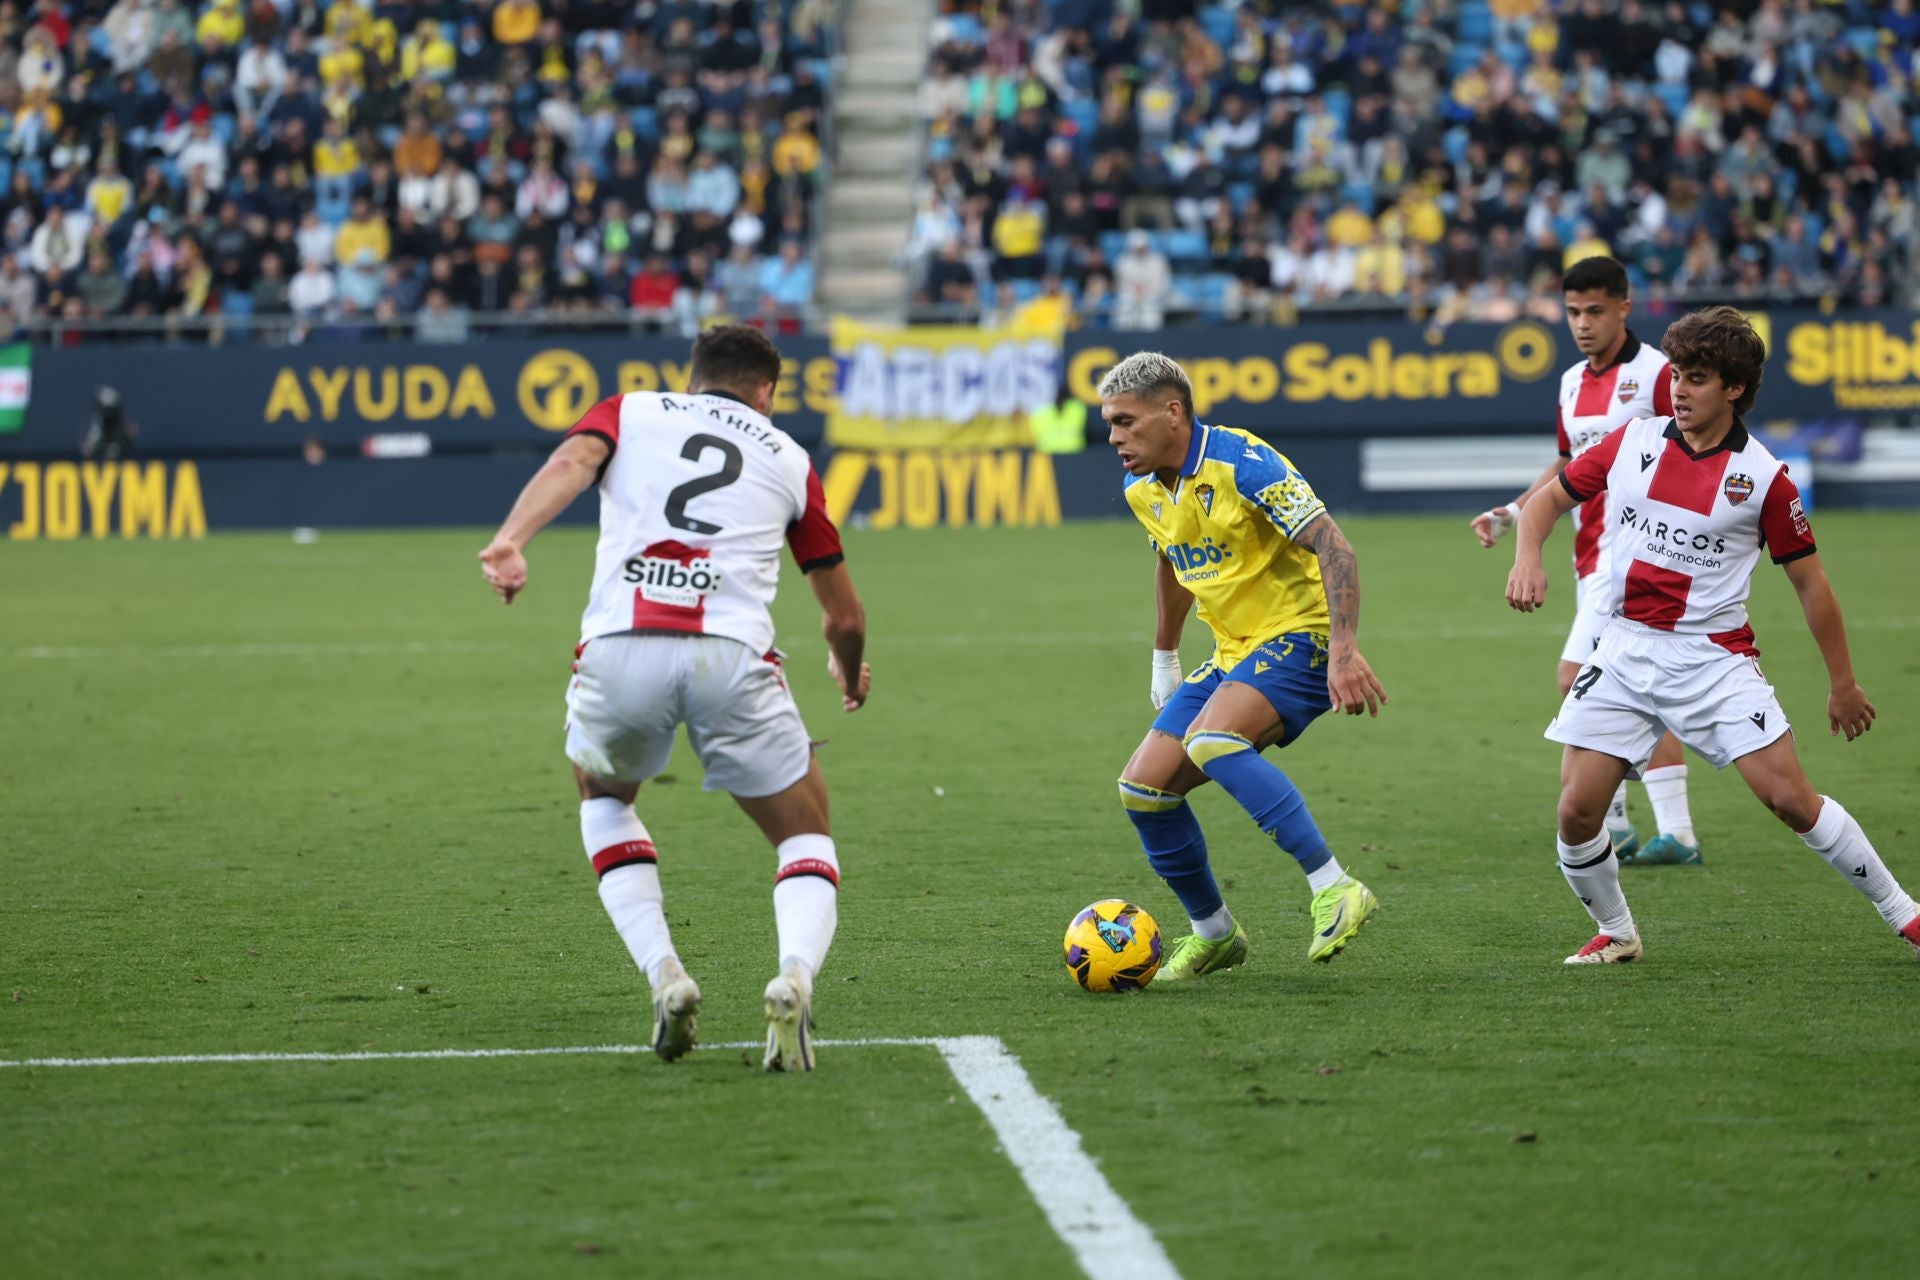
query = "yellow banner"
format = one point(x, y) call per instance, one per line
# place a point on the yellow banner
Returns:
point(940, 388)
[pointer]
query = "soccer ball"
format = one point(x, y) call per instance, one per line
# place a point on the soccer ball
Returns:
point(1113, 946)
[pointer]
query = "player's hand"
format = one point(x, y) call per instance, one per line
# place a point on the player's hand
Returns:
point(504, 568)
point(1849, 712)
point(1353, 686)
point(1491, 526)
point(1527, 587)
point(1167, 677)
point(853, 694)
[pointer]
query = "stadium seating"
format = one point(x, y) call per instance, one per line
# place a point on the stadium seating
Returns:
point(1769, 157)
point(472, 128)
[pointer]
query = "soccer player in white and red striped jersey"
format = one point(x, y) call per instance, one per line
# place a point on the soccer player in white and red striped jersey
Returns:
point(697, 494)
point(1693, 501)
point(1618, 379)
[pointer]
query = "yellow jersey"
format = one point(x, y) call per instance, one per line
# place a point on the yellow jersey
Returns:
point(1227, 525)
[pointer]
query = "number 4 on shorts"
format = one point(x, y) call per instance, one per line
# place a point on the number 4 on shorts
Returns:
point(1588, 677)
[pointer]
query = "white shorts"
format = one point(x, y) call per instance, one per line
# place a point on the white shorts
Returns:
point(1641, 682)
point(631, 692)
point(1590, 614)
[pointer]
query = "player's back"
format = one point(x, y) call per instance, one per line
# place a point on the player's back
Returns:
point(695, 501)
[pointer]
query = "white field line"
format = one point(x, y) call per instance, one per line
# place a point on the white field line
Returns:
point(1084, 1210)
point(1079, 1203)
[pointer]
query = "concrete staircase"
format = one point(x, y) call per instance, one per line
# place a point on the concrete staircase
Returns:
point(869, 207)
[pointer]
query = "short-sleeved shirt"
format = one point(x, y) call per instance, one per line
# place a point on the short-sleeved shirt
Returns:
point(1686, 529)
point(1227, 524)
point(1596, 402)
point(695, 501)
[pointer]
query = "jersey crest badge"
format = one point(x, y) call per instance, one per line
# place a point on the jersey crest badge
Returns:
point(1627, 389)
point(1205, 494)
point(1738, 488)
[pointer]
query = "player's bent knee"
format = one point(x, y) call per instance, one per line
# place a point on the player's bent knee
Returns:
point(1138, 797)
point(1206, 746)
point(1580, 817)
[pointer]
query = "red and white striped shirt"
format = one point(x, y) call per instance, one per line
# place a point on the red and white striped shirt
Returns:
point(697, 497)
point(1596, 402)
point(1685, 529)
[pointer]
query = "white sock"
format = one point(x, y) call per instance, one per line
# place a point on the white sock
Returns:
point(1326, 875)
point(806, 901)
point(1216, 926)
point(1667, 790)
point(1839, 839)
point(1617, 819)
point(629, 873)
point(1593, 873)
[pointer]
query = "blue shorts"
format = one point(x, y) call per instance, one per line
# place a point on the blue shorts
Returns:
point(1290, 670)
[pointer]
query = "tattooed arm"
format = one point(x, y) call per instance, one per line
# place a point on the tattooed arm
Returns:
point(1350, 681)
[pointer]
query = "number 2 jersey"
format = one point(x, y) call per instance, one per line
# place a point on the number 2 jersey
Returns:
point(1596, 402)
point(695, 501)
point(1227, 526)
point(1686, 529)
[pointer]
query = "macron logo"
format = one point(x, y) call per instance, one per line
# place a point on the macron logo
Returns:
point(1759, 719)
point(1646, 460)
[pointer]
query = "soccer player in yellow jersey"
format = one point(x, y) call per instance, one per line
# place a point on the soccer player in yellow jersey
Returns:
point(1239, 531)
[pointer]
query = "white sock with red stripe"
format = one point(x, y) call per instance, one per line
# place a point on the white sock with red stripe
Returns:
point(1667, 790)
point(629, 873)
point(806, 900)
point(1593, 873)
point(1839, 839)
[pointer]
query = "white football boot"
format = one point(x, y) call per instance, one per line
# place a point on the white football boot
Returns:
point(789, 1003)
point(1605, 949)
point(676, 1012)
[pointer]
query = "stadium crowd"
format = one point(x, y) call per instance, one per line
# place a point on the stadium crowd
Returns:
point(1449, 156)
point(356, 165)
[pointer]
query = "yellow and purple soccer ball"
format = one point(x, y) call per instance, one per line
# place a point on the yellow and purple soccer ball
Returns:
point(1113, 946)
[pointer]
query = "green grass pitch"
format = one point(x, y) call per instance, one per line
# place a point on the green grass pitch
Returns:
point(246, 817)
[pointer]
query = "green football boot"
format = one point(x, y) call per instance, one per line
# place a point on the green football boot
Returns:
point(1195, 957)
point(1668, 851)
point(1338, 912)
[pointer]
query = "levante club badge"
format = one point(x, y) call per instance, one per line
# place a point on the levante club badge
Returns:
point(1738, 489)
point(1627, 389)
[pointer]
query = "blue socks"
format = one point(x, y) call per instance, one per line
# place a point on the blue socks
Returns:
point(1267, 794)
point(1176, 847)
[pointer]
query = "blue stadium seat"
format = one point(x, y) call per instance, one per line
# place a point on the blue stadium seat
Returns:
point(966, 29)
point(1113, 244)
point(1182, 246)
point(1673, 96)
point(1340, 104)
point(223, 127)
point(1085, 114)
point(1475, 21)
point(1218, 24)
point(645, 122)
point(1240, 195)
point(1465, 55)
point(1025, 290)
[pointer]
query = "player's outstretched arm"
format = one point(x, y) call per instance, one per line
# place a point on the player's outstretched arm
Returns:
point(1491, 526)
point(1527, 584)
point(1848, 710)
point(1171, 604)
point(1351, 683)
point(843, 620)
point(568, 473)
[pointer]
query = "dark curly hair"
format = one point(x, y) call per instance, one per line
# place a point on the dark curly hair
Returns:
point(733, 357)
point(1719, 340)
